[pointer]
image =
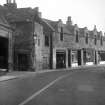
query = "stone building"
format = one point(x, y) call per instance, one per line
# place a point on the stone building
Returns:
point(31, 37)
point(40, 43)
point(74, 46)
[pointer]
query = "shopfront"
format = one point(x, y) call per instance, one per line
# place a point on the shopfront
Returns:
point(74, 58)
point(88, 56)
point(101, 57)
point(60, 59)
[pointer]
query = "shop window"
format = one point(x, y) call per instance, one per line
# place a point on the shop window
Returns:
point(61, 34)
point(95, 40)
point(86, 38)
point(89, 56)
point(101, 41)
point(46, 40)
point(77, 36)
point(101, 56)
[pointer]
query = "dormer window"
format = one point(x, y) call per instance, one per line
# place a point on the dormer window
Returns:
point(77, 36)
point(95, 40)
point(101, 41)
point(61, 34)
point(86, 38)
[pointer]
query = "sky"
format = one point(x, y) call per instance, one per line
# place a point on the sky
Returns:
point(85, 13)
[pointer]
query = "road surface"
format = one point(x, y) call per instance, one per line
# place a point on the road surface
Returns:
point(80, 87)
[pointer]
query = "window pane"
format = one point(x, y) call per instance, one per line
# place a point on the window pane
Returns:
point(46, 40)
point(77, 37)
point(61, 34)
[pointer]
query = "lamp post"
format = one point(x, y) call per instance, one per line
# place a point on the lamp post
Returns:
point(34, 50)
point(34, 40)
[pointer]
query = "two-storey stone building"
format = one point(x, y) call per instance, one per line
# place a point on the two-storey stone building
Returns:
point(74, 46)
point(40, 43)
point(31, 37)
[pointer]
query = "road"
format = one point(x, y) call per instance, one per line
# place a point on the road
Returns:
point(86, 87)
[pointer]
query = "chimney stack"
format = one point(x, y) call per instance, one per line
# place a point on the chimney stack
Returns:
point(95, 28)
point(14, 1)
point(69, 21)
point(9, 1)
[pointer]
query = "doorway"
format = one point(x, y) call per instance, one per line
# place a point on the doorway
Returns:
point(69, 58)
point(79, 57)
point(3, 53)
point(22, 62)
point(60, 59)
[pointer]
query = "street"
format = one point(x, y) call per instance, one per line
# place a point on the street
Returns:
point(78, 87)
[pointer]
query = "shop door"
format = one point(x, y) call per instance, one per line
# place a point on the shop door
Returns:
point(22, 62)
point(69, 58)
point(60, 60)
point(79, 57)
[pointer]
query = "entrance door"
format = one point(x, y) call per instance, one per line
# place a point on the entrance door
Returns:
point(60, 59)
point(95, 57)
point(79, 57)
point(22, 62)
point(69, 58)
point(3, 53)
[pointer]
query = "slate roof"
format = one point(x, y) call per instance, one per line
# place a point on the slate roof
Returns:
point(66, 30)
point(91, 34)
point(81, 31)
point(54, 25)
point(3, 21)
point(71, 29)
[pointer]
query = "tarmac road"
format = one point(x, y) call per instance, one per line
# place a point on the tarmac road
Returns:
point(81, 87)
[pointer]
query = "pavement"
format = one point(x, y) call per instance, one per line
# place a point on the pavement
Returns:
point(18, 74)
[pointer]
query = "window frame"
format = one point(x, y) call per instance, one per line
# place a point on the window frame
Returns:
point(101, 41)
point(61, 34)
point(46, 41)
point(77, 36)
point(87, 38)
point(95, 39)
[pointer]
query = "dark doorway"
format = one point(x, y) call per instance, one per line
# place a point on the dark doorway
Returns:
point(60, 60)
point(22, 62)
point(84, 56)
point(79, 57)
point(3, 53)
point(95, 57)
point(69, 58)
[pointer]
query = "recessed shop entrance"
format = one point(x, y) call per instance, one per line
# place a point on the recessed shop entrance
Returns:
point(23, 62)
point(79, 57)
point(61, 59)
point(3, 53)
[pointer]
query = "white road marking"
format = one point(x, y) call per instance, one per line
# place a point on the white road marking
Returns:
point(43, 89)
